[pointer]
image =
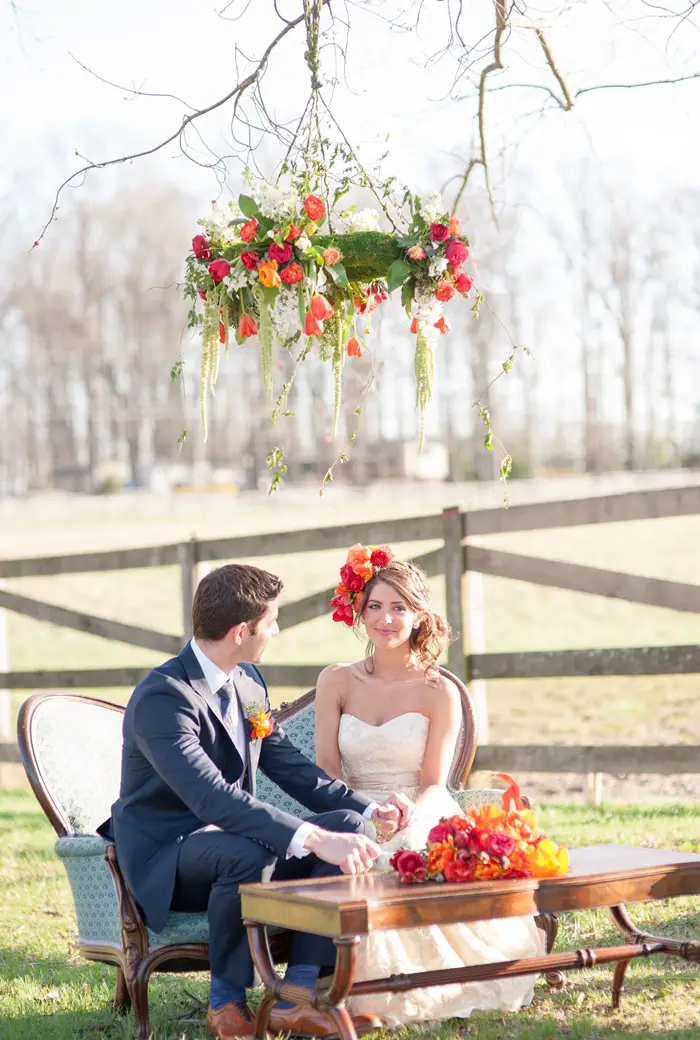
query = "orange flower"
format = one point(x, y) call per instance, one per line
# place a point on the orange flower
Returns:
point(261, 725)
point(249, 230)
point(312, 326)
point(358, 601)
point(415, 253)
point(443, 325)
point(360, 559)
point(440, 855)
point(314, 208)
point(355, 347)
point(321, 308)
point(247, 326)
point(444, 291)
point(332, 256)
point(548, 860)
point(455, 228)
point(292, 232)
point(267, 273)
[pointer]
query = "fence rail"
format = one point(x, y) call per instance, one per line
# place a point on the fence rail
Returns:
point(455, 557)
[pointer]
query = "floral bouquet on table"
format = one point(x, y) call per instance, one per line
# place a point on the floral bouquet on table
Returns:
point(487, 843)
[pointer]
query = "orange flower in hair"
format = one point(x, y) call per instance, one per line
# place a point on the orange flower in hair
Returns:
point(361, 565)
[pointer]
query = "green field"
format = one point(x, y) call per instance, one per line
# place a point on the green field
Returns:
point(47, 991)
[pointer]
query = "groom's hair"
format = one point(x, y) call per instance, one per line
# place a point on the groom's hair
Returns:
point(231, 595)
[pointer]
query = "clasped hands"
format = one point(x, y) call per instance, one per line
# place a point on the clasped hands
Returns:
point(392, 815)
point(355, 853)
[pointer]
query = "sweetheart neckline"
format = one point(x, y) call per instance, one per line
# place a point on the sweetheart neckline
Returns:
point(383, 724)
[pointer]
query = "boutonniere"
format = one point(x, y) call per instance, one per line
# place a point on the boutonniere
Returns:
point(261, 722)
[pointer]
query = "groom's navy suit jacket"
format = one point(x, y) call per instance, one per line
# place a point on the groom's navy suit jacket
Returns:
point(181, 772)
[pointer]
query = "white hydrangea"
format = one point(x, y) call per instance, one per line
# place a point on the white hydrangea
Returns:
point(432, 207)
point(278, 205)
point(360, 220)
point(239, 277)
point(217, 224)
point(285, 314)
point(437, 266)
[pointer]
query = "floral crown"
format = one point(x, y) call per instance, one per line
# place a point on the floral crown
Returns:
point(362, 564)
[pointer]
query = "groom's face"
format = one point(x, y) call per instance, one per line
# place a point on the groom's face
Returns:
point(260, 633)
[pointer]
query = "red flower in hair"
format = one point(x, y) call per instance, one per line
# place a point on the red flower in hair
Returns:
point(382, 556)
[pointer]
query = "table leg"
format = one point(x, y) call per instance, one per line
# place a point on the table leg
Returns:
point(634, 936)
point(262, 958)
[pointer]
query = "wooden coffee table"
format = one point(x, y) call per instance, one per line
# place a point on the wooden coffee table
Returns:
point(346, 908)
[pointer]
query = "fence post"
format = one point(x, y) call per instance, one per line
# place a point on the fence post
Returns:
point(7, 735)
point(476, 641)
point(594, 789)
point(187, 553)
point(452, 536)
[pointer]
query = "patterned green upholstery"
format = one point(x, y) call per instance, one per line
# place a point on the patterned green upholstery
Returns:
point(300, 730)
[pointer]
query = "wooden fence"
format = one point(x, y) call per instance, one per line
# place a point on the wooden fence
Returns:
point(455, 557)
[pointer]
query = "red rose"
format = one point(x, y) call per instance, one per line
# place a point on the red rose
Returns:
point(321, 308)
point(314, 208)
point(444, 291)
point(355, 347)
point(312, 326)
point(456, 252)
point(346, 572)
point(250, 260)
point(200, 247)
point(463, 284)
point(382, 556)
point(344, 614)
point(292, 273)
point(410, 866)
point(500, 844)
point(457, 870)
point(292, 232)
point(439, 232)
point(249, 230)
point(340, 601)
point(247, 326)
point(440, 832)
point(282, 254)
point(218, 269)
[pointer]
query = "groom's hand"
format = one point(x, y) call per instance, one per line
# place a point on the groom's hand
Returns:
point(353, 853)
point(397, 808)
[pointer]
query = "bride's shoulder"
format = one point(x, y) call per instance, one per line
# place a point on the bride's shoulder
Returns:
point(334, 677)
point(444, 691)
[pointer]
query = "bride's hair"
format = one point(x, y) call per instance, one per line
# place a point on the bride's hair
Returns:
point(432, 636)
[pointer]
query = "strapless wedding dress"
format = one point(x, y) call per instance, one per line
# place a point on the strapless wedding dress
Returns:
point(382, 759)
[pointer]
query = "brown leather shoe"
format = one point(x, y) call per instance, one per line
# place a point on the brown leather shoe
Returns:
point(231, 1021)
point(306, 1021)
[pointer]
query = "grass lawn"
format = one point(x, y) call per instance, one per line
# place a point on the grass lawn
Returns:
point(47, 991)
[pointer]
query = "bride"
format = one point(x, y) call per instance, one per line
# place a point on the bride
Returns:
point(391, 723)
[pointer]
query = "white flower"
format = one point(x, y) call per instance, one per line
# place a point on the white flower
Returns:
point(428, 314)
point(437, 266)
point(303, 243)
point(278, 205)
point(285, 314)
point(239, 277)
point(432, 207)
point(363, 220)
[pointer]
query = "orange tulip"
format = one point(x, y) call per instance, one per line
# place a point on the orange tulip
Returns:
point(267, 273)
point(355, 347)
point(321, 308)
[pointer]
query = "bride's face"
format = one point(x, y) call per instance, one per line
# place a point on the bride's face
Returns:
point(388, 618)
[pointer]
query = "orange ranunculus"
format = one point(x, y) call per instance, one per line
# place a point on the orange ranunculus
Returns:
point(332, 256)
point(355, 347)
point(444, 291)
point(454, 227)
point(321, 308)
point(314, 208)
point(267, 273)
point(249, 230)
point(360, 559)
point(247, 326)
point(440, 855)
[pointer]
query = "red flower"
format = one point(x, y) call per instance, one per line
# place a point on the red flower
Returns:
point(250, 260)
point(222, 332)
point(500, 844)
point(381, 557)
point(321, 308)
point(218, 269)
point(458, 871)
point(439, 232)
point(442, 325)
point(292, 232)
point(444, 291)
point(249, 230)
point(312, 326)
point(247, 326)
point(332, 255)
point(415, 253)
point(414, 325)
point(463, 284)
point(314, 208)
point(355, 347)
point(440, 832)
point(202, 295)
point(292, 273)
point(409, 865)
point(456, 252)
point(282, 254)
point(200, 247)
point(341, 601)
point(455, 228)
point(344, 614)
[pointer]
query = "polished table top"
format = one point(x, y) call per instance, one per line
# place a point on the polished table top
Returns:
point(599, 875)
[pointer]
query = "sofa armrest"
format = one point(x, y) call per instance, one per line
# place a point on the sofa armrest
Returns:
point(472, 796)
point(94, 894)
point(80, 845)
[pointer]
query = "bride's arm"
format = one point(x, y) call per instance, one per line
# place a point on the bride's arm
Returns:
point(328, 711)
point(445, 722)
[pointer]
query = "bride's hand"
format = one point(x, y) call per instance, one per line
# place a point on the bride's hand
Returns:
point(399, 808)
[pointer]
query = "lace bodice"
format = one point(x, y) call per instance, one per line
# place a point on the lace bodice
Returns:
point(386, 758)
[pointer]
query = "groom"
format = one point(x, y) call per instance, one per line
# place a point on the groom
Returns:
point(187, 825)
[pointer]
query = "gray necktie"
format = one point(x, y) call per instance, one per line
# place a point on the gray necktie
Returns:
point(229, 713)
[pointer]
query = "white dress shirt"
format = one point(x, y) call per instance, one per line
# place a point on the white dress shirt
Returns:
point(215, 680)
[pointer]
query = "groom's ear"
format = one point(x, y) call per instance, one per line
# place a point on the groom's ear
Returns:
point(239, 633)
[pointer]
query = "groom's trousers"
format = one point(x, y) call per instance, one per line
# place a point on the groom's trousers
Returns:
point(211, 866)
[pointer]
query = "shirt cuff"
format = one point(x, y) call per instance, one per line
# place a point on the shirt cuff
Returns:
point(296, 846)
point(370, 809)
